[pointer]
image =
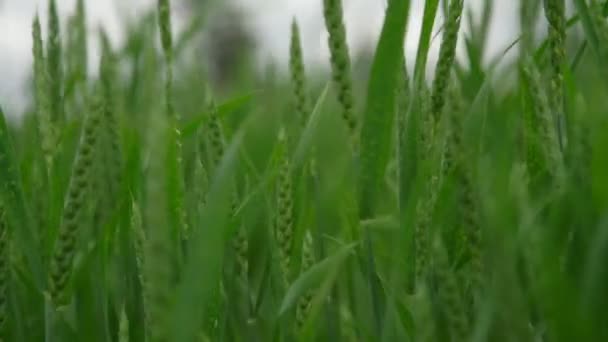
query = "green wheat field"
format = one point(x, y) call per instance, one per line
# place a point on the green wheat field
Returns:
point(147, 203)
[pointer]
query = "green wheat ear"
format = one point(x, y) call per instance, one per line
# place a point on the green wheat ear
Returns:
point(545, 136)
point(425, 206)
point(340, 62)
point(241, 249)
point(456, 156)
point(299, 84)
point(139, 243)
point(202, 182)
point(450, 296)
point(176, 195)
point(215, 137)
point(298, 74)
point(164, 23)
point(41, 95)
point(139, 236)
point(4, 269)
point(55, 65)
point(216, 145)
point(77, 44)
point(74, 208)
point(531, 124)
point(447, 53)
point(426, 133)
point(284, 216)
point(308, 260)
point(468, 226)
point(556, 16)
point(422, 230)
point(110, 150)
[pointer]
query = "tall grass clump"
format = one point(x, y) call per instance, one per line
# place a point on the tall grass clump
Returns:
point(152, 200)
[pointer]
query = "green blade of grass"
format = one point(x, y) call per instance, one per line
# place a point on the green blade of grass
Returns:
point(191, 127)
point(314, 276)
point(309, 133)
point(376, 134)
point(13, 197)
point(379, 111)
point(585, 18)
point(430, 11)
point(203, 267)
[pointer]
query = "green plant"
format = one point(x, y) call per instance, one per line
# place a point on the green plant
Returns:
point(298, 74)
point(159, 254)
point(285, 215)
point(42, 95)
point(139, 207)
point(555, 11)
point(4, 270)
point(447, 53)
point(55, 64)
point(340, 61)
point(308, 260)
point(74, 209)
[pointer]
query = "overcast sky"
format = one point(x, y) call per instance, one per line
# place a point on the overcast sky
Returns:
point(269, 19)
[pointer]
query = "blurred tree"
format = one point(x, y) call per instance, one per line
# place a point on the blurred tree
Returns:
point(227, 44)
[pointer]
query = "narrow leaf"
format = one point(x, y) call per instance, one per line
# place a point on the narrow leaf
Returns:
point(379, 112)
point(314, 276)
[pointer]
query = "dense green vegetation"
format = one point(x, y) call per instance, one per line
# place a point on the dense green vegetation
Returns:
point(151, 204)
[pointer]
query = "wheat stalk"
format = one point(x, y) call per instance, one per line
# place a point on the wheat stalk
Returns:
point(55, 65)
point(298, 74)
point(308, 260)
point(340, 62)
point(556, 16)
point(43, 108)
point(74, 208)
point(447, 53)
point(284, 216)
